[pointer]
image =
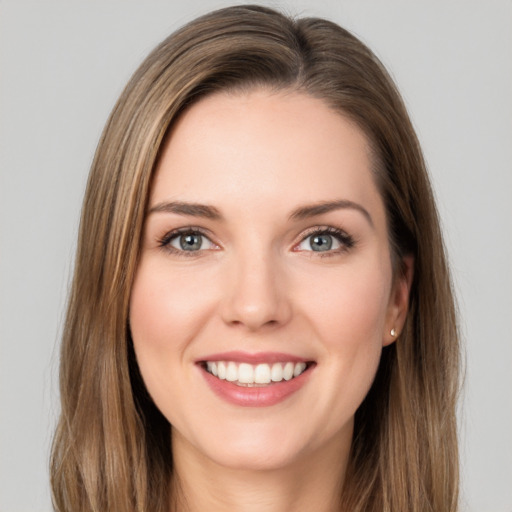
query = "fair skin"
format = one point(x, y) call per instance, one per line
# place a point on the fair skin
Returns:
point(258, 275)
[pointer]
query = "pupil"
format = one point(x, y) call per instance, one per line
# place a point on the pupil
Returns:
point(190, 242)
point(321, 243)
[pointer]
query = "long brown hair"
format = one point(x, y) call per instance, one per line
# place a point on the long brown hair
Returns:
point(112, 446)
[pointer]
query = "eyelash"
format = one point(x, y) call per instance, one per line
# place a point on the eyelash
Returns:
point(347, 241)
point(165, 242)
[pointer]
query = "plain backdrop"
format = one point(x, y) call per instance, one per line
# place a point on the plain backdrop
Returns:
point(62, 66)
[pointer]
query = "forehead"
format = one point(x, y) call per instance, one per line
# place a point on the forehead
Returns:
point(279, 148)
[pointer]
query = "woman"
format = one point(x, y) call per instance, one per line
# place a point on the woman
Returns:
point(261, 316)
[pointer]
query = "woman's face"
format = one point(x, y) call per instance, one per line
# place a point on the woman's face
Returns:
point(264, 292)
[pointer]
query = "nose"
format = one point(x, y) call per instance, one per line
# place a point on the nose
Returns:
point(256, 294)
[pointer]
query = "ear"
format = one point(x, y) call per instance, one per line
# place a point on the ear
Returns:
point(398, 301)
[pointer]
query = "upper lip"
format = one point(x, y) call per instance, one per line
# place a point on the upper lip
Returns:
point(254, 358)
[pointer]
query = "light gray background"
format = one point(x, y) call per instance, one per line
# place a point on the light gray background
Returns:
point(62, 66)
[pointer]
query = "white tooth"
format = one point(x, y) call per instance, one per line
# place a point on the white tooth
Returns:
point(245, 373)
point(277, 372)
point(288, 371)
point(262, 374)
point(213, 368)
point(231, 372)
point(299, 368)
point(209, 366)
point(221, 370)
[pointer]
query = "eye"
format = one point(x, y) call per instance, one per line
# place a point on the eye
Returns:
point(326, 240)
point(189, 240)
point(319, 243)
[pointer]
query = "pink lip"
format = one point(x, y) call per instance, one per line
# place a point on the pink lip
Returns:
point(263, 396)
point(260, 357)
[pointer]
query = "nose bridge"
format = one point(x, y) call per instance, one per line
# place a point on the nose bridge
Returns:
point(256, 295)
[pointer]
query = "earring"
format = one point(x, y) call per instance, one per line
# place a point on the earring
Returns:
point(393, 332)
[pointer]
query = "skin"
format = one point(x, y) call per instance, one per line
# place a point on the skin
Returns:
point(256, 285)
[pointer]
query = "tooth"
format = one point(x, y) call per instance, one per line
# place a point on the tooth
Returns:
point(221, 369)
point(262, 374)
point(246, 373)
point(288, 371)
point(299, 368)
point(231, 372)
point(277, 372)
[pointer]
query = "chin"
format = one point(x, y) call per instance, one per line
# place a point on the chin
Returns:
point(250, 446)
point(245, 456)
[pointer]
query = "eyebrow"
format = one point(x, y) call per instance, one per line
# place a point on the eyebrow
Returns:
point(313, 210)
point(190, 209)
point(301, 213)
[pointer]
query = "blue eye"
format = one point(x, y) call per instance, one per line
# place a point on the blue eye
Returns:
point(186, 241)
point(321, 242)
point(326, 240)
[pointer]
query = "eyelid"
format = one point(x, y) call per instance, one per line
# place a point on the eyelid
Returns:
point(164, 242)
point(346, 240)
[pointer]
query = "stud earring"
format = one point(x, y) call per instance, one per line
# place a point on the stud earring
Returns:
point(393, 332)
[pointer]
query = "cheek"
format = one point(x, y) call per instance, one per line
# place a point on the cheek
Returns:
point(165, 315)
point(349, 318)
point(164, 308)
point(351, 311)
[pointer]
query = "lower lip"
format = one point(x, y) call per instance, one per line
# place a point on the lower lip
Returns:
point(264, 396)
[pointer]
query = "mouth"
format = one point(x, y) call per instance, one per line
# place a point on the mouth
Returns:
point(255, 375)
point(255, 380)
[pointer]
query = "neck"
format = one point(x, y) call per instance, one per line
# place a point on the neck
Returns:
point(313, 482)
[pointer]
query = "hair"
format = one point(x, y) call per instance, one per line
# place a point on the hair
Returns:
point(112, 448)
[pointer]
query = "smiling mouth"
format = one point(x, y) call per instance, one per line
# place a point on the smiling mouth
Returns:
point(255, 375)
